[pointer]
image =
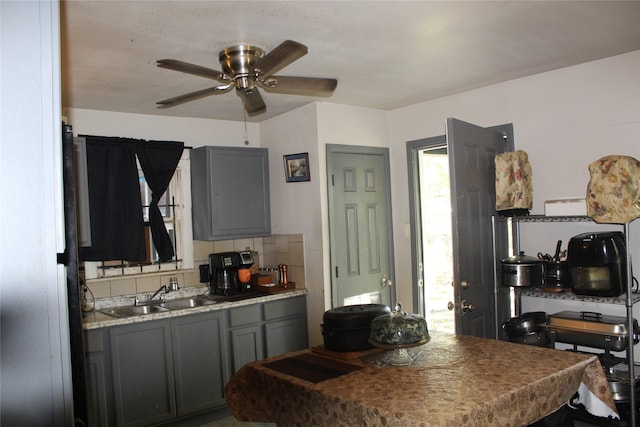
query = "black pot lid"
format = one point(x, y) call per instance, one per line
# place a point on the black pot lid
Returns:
point(359, 308)
point(353, 315)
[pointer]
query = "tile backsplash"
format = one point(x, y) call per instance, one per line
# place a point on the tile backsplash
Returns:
point(273, 250)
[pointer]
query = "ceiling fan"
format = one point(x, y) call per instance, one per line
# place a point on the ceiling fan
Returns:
point(246, 68)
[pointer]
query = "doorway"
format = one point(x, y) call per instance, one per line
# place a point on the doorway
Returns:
point(456, 241)
point(434, 222)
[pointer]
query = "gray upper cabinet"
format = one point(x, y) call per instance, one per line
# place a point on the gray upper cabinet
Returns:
point(230, 193)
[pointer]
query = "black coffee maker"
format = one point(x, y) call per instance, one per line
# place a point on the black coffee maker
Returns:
point(222, 272)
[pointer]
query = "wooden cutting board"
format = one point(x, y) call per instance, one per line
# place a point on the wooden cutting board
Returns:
point(344, 355)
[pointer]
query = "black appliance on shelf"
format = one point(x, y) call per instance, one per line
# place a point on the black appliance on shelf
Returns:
point(598, 264)
point(222, 272)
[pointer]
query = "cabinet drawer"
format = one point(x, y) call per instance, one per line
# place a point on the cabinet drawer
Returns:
point(284, 308)
point(245, 315)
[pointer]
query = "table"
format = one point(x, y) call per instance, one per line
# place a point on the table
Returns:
point(454, 381)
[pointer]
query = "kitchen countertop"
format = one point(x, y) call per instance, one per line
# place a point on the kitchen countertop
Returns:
point(95, 319)
point(454, 381)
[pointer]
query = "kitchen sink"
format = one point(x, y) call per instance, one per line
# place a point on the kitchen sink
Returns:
point(134, 310)
point(179, 304)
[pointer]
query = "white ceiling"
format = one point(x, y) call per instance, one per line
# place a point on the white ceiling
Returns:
point(385, 54)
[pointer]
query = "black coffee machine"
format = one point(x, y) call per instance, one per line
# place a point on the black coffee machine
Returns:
point(222, 272)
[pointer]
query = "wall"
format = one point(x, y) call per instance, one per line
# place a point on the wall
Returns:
point(35, 377)
point(564, 119)
point(193, 132)
point(295, 205)
point(196, 133)
point(271, 251)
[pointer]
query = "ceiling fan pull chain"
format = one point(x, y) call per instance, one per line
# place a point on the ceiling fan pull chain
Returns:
point(246, 136)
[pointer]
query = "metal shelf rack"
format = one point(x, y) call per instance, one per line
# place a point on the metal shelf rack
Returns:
point(629, 299)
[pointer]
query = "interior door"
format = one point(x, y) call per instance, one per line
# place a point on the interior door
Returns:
point(360, 225)
point(479, 304)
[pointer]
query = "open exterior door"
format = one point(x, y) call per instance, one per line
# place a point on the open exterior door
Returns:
point(479, 240)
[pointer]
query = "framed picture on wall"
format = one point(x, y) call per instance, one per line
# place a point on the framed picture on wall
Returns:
point(296, 167)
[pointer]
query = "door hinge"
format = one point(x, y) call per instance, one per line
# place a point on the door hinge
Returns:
point(63, 258)
point(336, 271)
point(333, 183)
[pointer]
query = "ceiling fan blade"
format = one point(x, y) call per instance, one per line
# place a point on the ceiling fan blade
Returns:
point(300, 85)
point(253, 102)
point(192, 96)
point(185, 67)
point(283, 55)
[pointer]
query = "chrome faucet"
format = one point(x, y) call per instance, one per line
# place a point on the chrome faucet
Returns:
point(162, 288)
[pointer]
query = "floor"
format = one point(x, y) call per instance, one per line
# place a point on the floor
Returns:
point(232, 422)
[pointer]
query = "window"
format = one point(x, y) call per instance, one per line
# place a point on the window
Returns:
point(175, 206)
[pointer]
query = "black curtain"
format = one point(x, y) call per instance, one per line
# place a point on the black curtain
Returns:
point(115, 205)
point(159, 160)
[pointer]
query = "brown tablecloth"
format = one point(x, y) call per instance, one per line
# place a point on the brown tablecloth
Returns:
point(454, 381)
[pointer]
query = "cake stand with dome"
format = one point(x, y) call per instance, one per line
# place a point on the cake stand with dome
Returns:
point(398, 331)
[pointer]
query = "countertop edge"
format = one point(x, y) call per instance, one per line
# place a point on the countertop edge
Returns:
point(96, 320)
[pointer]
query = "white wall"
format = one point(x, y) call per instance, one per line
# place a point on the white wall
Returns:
point(563, 119)
point(295, 205)
point(35, 377)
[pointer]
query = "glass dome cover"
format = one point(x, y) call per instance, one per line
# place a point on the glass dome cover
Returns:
point(398, 331)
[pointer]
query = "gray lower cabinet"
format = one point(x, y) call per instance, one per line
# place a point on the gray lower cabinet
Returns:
point(199, 362)
point(142, 373)
point(99, 404)
point(266, 330)
point(246, 332)
point(285, 326)
point(246, 345)
point(159, 371)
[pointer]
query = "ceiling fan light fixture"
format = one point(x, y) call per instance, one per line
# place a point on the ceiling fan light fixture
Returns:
point(240, 59)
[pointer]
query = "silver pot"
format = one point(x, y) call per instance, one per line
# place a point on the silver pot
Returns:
point(522, 271)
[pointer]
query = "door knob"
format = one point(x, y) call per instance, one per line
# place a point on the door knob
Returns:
point(466, 306)
point(464, 284)
point(385, 282)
